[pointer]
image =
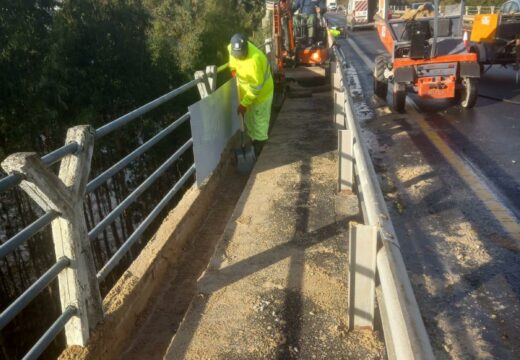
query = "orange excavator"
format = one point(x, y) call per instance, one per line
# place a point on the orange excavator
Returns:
point(291, 47)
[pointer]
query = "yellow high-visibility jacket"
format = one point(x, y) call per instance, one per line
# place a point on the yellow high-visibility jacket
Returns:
point(253, 76)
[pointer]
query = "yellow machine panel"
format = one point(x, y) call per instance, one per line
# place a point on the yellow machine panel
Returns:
point(484, 28)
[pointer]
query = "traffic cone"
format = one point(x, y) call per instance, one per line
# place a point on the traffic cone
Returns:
point(465, 39)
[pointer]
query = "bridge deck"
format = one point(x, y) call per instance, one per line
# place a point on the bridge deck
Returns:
point(276, 286)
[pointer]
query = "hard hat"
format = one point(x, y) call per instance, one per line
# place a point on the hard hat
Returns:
point(239, 46)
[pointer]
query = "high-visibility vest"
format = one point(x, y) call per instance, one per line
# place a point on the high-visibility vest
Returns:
point(253, 76)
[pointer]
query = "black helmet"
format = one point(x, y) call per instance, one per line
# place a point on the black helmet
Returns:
point(239, 46)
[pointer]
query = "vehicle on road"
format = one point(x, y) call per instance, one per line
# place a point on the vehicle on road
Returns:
point(332, 6)
point(360, 13)
point(510, 7)
point(495, 38)
point(427, 56)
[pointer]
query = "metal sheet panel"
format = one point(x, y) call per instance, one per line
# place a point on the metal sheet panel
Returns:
point(213, 121)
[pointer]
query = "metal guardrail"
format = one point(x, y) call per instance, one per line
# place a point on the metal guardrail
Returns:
point(475, 10)
point(468, 10)
point(58, 202)
point(377, 257)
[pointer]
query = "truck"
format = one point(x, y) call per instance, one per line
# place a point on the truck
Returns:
point(495, 38)
point(332, 6)
point(360, 13)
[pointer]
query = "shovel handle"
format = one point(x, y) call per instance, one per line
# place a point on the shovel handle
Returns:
point(242, 125)
point(241, 117)
point(242, 132)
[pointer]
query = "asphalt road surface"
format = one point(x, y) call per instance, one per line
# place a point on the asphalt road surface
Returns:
point(451, 177)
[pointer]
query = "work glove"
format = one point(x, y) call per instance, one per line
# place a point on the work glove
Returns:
point(241, 109)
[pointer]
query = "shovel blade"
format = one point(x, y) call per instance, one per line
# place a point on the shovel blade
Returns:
point(246, 159)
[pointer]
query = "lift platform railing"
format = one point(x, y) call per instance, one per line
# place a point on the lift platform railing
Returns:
point(61, 197)
point(376, 266)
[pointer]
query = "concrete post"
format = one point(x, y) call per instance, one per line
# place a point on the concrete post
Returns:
point(346, 160)
point(362, 274)
point(268, 47)
point(64, 193)
point(270, 56)
point(478, 9)
point(203, 85)
point(211, 73)
point(339, 95)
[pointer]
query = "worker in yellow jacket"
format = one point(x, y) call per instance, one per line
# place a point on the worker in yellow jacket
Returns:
point(255, 84)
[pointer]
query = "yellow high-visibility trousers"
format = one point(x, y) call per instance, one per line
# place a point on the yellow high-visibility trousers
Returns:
point(257, 119)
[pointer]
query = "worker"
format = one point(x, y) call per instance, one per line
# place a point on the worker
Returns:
point(255, 86)
point(308, 13)
point(285, 11)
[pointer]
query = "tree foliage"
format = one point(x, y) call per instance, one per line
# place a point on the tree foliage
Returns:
point(69, 62)
point(86, 61)
point(24, 32)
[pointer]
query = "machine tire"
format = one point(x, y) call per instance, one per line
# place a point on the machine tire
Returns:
point(399, 98)
point(380, 82)
point(474, 50)
point(468, 93)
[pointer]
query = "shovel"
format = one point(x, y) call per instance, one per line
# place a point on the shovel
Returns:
point(245, 155)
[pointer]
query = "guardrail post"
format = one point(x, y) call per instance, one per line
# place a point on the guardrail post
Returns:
point(405, 334)
point(64, 194)
point(492, 9)
point(268, 47)
point(346, 160)
point(466, 11)
point(362, 274)
point(270, 56)
point(211, 73)
point(339, 95)
point(203, 84)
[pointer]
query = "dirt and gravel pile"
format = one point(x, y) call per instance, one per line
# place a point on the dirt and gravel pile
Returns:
point(276, 287)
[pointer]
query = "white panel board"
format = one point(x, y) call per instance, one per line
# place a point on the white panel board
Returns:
point(213, 121)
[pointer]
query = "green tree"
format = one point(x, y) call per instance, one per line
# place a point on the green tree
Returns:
point(196, 33)
point(99, 64)
point(24, 39)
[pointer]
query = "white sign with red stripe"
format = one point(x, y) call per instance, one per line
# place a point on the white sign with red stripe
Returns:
point(361, 9)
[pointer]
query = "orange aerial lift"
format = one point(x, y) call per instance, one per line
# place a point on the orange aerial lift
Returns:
point(428, 55)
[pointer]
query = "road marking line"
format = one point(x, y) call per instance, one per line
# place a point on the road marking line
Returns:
point(502, 214)
point(481, 190)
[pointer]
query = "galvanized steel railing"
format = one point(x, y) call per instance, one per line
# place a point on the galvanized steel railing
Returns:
point(16, 165)
point(468, 10)
point(377, 270)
